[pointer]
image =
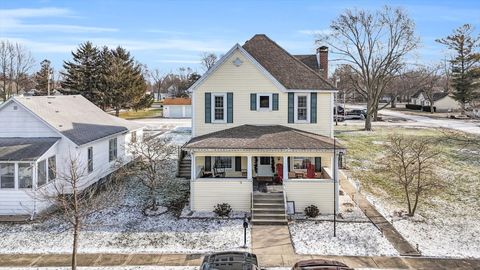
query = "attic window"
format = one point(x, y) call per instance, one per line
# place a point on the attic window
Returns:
point(15, 108)
point(237, 62)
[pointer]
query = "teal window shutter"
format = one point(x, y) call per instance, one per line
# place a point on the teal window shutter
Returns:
point(253, 102)
point(229, 107)
point(208, 107)
point(291, 107)
point(313, 108)
point(275, 102)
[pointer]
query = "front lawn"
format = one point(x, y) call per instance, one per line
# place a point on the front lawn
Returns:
point(447, 222)
point(146, 113)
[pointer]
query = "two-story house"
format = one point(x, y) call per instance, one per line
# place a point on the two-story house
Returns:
point(40, 135)
point(262, 129)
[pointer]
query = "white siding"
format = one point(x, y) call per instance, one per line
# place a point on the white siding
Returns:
point(306, 192)
point(21, 123)
point(243, 81)
point(210, 192)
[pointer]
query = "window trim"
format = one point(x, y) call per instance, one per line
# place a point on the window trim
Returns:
point(295, 109)
point(224, 95)
point(270, 102)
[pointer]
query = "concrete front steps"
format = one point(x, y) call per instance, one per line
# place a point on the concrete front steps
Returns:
point(268, 209)
point(185, 169)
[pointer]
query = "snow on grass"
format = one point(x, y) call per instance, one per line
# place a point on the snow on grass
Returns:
point(123, 229)
point(447, 222)
point(353, 239)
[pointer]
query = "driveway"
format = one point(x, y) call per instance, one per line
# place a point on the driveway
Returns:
point(468, 126)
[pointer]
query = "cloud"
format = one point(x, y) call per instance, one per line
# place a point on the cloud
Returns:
point(13, 21)
point(44, 47)
point(315, 32)
point(179, 61)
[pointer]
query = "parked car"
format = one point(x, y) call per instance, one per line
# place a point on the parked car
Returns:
point(357, 114)
point(230, 261)
point(338, 109)
point(339, 118)
point(320, 264)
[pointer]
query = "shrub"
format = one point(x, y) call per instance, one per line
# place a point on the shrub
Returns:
point(223, 209)
point(175, 195)
point(312, 211)
point(413, 106)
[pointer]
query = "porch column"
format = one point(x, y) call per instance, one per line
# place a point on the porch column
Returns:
point(335, 180)
point(285, 168)
point(194, 174)
point(249, 167)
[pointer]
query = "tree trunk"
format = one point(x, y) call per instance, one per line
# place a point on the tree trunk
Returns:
point(76, 227)
point(368, 122)
point(408, 200)
point(117, 112)
point(431, 107)
point(393, 103)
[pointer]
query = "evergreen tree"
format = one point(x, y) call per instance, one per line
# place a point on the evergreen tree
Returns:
point(41, 78)
point(123, 82)
point(465, 63)
point(82, 75)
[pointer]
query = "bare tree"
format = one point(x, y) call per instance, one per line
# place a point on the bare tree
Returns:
point(411, 162)
point(430, 80)
point(15, 63)
point(374, 44)
point(23, 63)
point(152, 167)
point(208, 60)
point(76, 201)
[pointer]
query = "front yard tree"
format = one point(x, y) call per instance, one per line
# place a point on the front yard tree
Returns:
point(76, 201)
point(42, 78)
point(123, 83)
point(82, 74)
point(152, 167)
point(374, 44)
point(411, 163)
point(465, 69)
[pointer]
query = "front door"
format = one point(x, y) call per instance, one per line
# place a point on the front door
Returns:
point(264, 166)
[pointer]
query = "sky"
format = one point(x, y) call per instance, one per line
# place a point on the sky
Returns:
point(166, 35)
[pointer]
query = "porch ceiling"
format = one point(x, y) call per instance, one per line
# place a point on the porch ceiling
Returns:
point(266, 138)
point(24, 149)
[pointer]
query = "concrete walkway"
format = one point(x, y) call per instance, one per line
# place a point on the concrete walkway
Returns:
point(393, 236)
point(265, 260)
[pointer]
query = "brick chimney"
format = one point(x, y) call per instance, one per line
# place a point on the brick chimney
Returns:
point(322, 58)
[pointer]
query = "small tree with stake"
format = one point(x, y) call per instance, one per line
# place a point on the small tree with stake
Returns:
point(76, 201)
point(411, 163)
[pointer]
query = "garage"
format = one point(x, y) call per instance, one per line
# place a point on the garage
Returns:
point(177, 108)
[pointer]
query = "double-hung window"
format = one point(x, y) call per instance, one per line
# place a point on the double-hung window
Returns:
point(90, 159)
point(112, 149)
point(7, 175)
point(219, 110)
point(223, 162)
point(302, 109)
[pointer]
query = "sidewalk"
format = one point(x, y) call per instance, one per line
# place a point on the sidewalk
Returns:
point(266, 260)
point(394, 237)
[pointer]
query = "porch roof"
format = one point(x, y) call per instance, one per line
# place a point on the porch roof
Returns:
point(265, 137)
point(24, 149)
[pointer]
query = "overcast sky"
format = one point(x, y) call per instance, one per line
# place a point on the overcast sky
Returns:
point(172, 34)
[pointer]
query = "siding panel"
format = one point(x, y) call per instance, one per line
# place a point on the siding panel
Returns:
point(208, 193)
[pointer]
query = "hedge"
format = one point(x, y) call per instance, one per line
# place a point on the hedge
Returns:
point(419, 107)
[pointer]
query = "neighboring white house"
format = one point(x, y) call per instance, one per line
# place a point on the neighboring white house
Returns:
point(263, 132)
point(40, 134)
point(442, 101)
point(177, 107)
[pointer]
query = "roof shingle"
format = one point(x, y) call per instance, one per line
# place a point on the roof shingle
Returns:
point(24, 149)
point(251, 137)
point(291, 72)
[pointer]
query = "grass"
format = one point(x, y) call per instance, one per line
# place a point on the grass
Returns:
point(457, 165)
point(147, 113)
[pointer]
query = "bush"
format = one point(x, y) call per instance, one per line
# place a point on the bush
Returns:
point(413, 107)
point(175, 195)
point(312, 211)
point(223, 209)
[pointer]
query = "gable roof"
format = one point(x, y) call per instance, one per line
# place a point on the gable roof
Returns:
point(177, 101)
point(288, 70)
point(272, 137)
point(440, 95)
point(75, 117)
point(24, 149)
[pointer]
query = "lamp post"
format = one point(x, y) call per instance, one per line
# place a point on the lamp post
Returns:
point(245, 226)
